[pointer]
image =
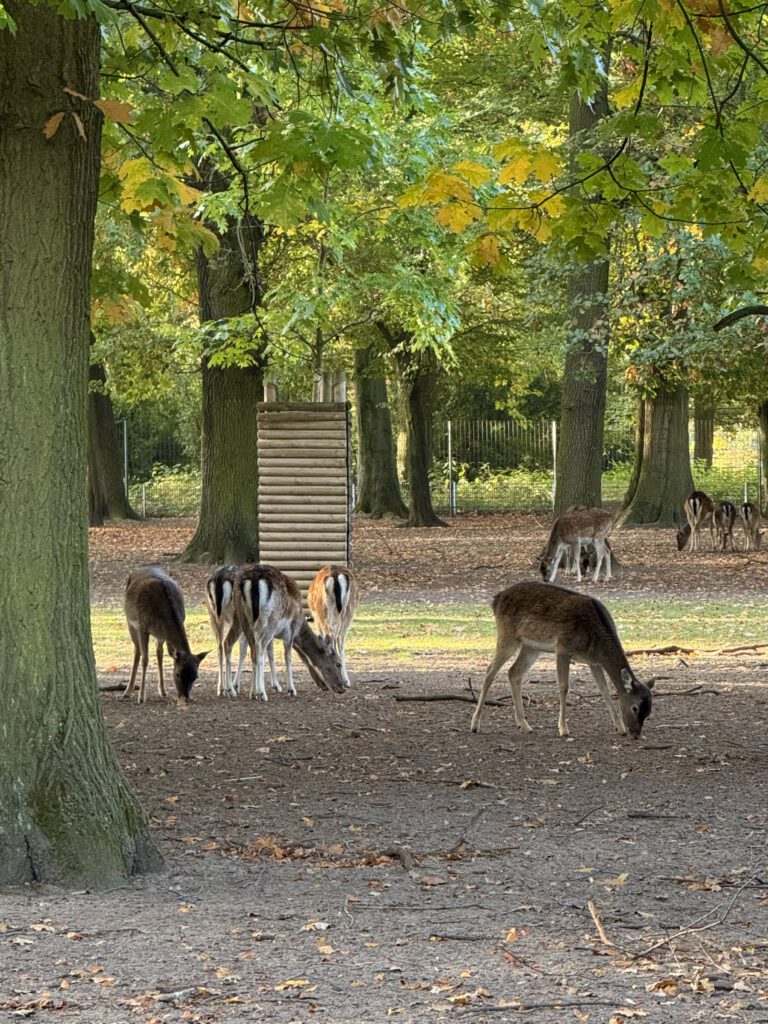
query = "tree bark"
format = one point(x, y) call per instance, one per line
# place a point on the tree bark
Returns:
point(228, 528)
point(66, 814)
point(638, 459)
point(664, 480)
point(107, 497)
point(762, 432)
point(418, 377)
point(703, 431)
point(378, 489)
point(580, 449)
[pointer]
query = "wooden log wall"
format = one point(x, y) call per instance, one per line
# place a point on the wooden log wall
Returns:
point(304, 487)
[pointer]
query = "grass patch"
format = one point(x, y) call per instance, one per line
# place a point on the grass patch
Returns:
point(440, 636)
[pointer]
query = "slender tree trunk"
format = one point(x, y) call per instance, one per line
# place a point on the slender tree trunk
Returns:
point(703, 431)
point(580, 450)
point(66, 814)
point(762, 429)
point(107, 497)
point(664, 480)
point(228, 529)
point(418, 378)
point(638, 460)
point(378, 489)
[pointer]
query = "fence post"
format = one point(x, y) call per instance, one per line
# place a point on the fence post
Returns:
point(125, 457)
point(451, 508)
point(554, 461)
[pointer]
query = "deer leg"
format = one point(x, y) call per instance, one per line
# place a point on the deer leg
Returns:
point(272, 670)
point(160, 682)
point(235, 689)
point(599, 556)
point(144, 643)
point(556, 562)
point(563, 672)
point(340, 641)
point(136, 656)
point(221, 650)
point(522, 663)
point(502, 655)
point(257, 658)
point(602, 684)
point(289, 668)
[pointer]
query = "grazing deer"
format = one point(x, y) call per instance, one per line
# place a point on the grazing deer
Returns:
point(699, 511)
point(332, 600)
point(724, 519)
point(573, 528)
point(532, 618)
point(750, 521)
point(220, 600)
point(154, 606)
point(268, 606)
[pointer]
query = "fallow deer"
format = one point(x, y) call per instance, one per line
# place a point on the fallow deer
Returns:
point(154, 606)
point(724, 519)
point(533, 618)
point(220, 601)
point(332, 600)
point(268, 605)
point(699, 511)
point(750, 521)
point(573, 528)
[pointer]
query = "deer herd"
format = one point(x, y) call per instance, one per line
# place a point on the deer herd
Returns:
point(254, 605)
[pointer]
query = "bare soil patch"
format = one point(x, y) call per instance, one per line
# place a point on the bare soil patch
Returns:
point(356, 858)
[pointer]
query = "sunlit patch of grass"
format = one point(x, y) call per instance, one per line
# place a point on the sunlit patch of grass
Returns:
point(440, 636)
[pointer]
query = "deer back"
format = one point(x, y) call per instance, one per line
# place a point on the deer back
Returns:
point(154, 604)
point(699, 508)
point(220, 597)
point(332, 598)
point(267, 602)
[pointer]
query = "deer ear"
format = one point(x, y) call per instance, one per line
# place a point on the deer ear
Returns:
point(200, 657)
point(626, 678)
point(651, 682)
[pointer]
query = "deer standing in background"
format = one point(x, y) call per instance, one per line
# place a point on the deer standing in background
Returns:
point(268, 606)
point(332, 600)
point(699, 511)
point(154, 606)
point(573, 528)
point(750, 521)
point(724, 519)
point(533, 618)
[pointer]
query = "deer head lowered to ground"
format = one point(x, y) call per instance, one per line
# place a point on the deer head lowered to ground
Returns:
point(724, 520)
point(268, 606)
point(533, 618)
point(569, 531)
point(154, 606)
point(332, 600)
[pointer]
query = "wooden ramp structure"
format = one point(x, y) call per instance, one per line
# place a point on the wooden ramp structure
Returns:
point(304, 486)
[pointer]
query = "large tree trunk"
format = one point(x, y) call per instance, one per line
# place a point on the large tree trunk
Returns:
point(580, 448)
point(664, 480)
point(66, 814)
point(378, 490)
point(703, 431)
point(107, 497)
point(228, 529)
point(762, 428)
point(638, 456)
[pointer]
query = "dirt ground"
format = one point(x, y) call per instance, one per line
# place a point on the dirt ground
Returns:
point(358, 858)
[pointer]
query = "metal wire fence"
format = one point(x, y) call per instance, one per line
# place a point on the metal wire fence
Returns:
point(477, 466)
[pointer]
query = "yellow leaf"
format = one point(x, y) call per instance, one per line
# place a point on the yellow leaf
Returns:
point(441, 185)
point(457, 217)
point(51, 126)
point(627, 96)
point(545, 166)
point(475, 174)
point(186, 193)
point(324, 948)
point(292, 983)
point(412, 196)
point(115, 110)
point(487, 252)
point(80, 126)
point(516, 170)
point(508, 148)
point(73, 92)
point(619, 880)
point(759, 191)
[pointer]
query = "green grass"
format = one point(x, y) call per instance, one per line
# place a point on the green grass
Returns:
point(441, 636)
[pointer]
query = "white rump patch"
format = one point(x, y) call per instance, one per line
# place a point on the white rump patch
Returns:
point(266, 600)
